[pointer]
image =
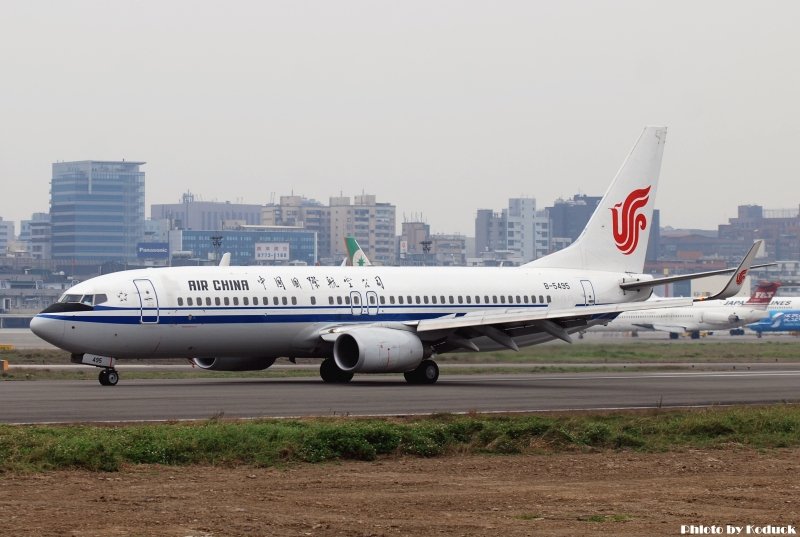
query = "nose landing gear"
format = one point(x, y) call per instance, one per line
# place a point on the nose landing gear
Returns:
point(108, 377)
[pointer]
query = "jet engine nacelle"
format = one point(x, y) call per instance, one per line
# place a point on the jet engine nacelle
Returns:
point(233, 364)
point(377, 350)
point(720, 318)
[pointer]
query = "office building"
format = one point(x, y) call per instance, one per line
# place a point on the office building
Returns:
point(96, 210)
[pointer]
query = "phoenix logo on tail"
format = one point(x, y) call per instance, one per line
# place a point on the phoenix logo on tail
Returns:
point(629, 221)
point(740, 277)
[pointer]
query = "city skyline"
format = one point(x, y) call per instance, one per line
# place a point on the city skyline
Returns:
point(417, 103)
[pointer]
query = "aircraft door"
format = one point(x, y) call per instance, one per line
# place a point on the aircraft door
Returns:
point(356, 305)
point(148, 301)
point(372, 303)
point(588, 293)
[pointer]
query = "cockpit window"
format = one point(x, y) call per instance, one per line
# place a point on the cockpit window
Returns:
point(88, 300)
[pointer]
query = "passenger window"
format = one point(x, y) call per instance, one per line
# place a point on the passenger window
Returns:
point(347, 300)
point(417, 297)
point(541, 299)
point(339, 300)
point(227, 301)
point(460, 299)
point(199, 301)
point(391, 299)
point(372, 299)
point(284, 300)
point(510, 299)
point(180, 301)
point(208, 301)
point(189, 301)
point(383, 299)
point(330, 300)
point(294, 300)
point(425, 299)
point(246, 301)
point(469, 299)
point(433, 299)
point(275, 300)
point(265, 300)
point(216, 300)
point(442, 300)
point(533, 299)
point(549, 299)
point(236, 301)
point(519, 300)
point(486, 299)
point(502, 299)
point(400, 300)
point(525, 298)
point(451, 299)
point(313, 301)
point(409, 299)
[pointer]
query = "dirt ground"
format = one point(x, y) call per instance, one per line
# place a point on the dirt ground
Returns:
point(569, 494)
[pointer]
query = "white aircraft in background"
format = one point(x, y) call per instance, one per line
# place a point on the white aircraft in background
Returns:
point(703, 315)
point(370, 319)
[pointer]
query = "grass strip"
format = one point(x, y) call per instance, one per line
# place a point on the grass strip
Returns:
point(279, 442)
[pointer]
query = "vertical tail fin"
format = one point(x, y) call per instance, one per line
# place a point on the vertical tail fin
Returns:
point(763, 294)
point(615, 239)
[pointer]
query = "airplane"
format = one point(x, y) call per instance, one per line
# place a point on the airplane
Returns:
point(703, 315)
point(783, 315)
point(371, 319)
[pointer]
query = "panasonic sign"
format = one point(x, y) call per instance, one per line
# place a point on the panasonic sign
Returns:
point(152, 250)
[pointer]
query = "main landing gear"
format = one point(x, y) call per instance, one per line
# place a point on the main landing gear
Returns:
point(330, 372)
point(108, 377)
point(427, 372)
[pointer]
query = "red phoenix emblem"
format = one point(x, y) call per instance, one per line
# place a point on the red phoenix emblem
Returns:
point(740, 277)
point(629, 221)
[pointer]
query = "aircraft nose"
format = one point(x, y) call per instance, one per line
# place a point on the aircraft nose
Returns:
point(50, 330)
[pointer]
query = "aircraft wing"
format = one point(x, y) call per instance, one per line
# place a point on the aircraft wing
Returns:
point(483, 318)
point(493, 324)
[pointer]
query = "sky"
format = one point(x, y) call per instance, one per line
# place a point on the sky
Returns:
point(439, 107)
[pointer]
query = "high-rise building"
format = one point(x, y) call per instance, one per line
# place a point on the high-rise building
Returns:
point(35, 235)
point(490, 231)
point(569, 217)
point(371, 223)
point(7, 235)
point(297, 211)
point(520, 230)
point(96, 210)
point(192, 213)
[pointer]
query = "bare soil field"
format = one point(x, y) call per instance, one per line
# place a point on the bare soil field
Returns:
point(606, 493)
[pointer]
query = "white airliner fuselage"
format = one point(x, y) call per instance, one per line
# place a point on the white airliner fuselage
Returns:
point(266, 312)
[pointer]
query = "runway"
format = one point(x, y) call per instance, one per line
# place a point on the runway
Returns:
point(164, 400)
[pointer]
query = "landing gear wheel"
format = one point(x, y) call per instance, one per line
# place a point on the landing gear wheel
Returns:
point(427, 372)
point(108, 377)
point(673, 335)
point(113, 377)
point(695, 334)
point(330, 372)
